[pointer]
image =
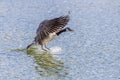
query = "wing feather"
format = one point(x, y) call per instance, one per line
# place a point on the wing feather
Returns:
point(50, 26)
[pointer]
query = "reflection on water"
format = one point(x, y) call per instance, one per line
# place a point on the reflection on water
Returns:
point(46, 64)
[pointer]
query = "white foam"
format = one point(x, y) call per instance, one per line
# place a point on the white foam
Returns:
point(55, 49)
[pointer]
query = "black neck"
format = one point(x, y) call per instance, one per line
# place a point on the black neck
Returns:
point(64, 30)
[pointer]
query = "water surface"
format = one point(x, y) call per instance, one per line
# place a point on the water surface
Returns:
point(91, 52)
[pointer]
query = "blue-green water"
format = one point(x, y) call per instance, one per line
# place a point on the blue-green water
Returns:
point(91, 52)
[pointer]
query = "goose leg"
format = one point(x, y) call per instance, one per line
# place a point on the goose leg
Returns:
point(43, 48)
point(46, 47)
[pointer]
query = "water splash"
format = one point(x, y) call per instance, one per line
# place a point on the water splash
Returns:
point(55, 49)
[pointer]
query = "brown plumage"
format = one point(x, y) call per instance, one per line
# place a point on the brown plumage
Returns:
point(48, 29)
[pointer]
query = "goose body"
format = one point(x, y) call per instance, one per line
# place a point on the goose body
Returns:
point(49, 29)
point(50, 37)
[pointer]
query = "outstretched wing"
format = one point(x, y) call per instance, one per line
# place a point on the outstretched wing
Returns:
point(51, 26)
point(56, 24)
point(42, 31)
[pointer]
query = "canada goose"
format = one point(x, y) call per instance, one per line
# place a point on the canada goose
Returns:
point(48, 29)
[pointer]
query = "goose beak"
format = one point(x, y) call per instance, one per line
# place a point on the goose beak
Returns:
point(68, 29)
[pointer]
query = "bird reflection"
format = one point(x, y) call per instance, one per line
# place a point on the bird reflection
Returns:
point(47, 65)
